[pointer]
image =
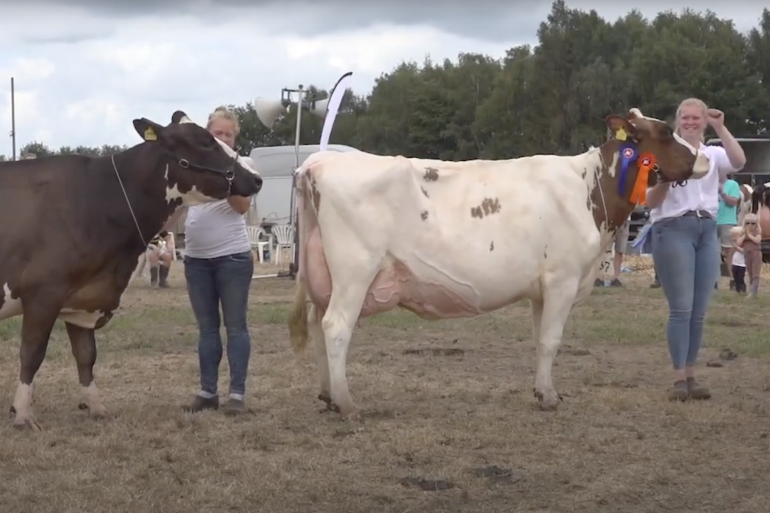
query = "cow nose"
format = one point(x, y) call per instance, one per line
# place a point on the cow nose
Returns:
point(258, 182)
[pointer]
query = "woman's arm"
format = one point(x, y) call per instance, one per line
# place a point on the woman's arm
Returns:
point(656, 194)
point(736, 158)
point(240, 204)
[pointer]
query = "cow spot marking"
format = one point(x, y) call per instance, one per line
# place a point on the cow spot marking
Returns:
point(314, 193)
point(492, 246)
point(424, 215)
point(424, 191)
point(431, 174)
point(488, 207)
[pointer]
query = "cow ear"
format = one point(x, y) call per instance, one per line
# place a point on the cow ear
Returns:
point(148, 130)
point(620, 128)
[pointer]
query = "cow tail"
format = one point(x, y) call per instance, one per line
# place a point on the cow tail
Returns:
point(297, 321)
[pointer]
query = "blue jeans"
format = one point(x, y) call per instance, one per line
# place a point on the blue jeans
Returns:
point(686, 255)
point(227, 280)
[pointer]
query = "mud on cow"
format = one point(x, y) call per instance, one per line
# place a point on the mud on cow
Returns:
point(74, 227)
point(380, 232)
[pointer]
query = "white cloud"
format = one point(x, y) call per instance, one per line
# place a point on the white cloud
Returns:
point(82, 79)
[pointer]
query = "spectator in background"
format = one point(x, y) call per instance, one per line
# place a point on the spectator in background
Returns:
point(727, 218)
point(160, 253)
point(749, 242)
point(685, 246)
point(621, 244)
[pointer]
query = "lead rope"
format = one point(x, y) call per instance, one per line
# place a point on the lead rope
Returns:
point(125, 195)
point(601, 192)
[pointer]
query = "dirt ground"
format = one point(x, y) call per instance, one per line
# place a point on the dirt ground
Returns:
point(450, 422)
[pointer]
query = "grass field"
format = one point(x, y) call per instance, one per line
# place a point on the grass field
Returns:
point(448, 407)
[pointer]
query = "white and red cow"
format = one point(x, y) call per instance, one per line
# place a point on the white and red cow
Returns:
point(459, 239)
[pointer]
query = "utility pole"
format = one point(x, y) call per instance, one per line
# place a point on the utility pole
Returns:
point(13, 119)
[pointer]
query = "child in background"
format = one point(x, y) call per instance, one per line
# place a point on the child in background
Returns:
point(739, 262)
point(749, 241)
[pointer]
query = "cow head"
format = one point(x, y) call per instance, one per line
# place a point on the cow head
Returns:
point(675, 160)
point(202, 168)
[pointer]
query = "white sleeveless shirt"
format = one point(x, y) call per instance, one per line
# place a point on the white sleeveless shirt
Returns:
point(214, 230)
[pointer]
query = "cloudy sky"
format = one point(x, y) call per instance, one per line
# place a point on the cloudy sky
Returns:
point(84, 69)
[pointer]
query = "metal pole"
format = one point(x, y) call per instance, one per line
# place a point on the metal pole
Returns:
point(13, 119)
point(294, 264)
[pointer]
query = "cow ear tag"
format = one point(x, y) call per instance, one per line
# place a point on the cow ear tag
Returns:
point(149, 135)
point(621, 135)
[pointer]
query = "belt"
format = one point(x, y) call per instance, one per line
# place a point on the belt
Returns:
point(700, 214)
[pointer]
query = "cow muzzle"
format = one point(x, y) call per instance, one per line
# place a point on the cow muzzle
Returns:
point(701, 166)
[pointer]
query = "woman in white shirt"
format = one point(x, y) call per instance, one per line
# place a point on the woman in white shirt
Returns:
point(218, 267)
point(684, 241)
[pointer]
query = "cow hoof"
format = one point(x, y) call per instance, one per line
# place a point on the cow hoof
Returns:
point(94, 413)
point(12, 411)
point(29, 424)
point(351, 415)
point(98, 414)
point(548, 401)
point(325, 398)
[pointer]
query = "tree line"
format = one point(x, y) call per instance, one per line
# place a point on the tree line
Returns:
point(547, 98)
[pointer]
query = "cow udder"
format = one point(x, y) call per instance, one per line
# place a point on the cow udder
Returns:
point(394, 285)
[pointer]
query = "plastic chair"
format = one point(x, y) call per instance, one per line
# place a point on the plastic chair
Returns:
point(284, 237)
point(255, 234)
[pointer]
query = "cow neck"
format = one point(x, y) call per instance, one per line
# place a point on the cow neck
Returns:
point(609, 207)
point(139, 177)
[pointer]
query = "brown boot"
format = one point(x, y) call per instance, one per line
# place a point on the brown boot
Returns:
point(697, 391)
point(234, 407)
point(678, 392)
point(201, 403)
point(163, 276)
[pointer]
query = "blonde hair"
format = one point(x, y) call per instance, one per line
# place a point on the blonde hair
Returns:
point(696, 102)
point(751, 217)
point(222, 112)
point(736, 231)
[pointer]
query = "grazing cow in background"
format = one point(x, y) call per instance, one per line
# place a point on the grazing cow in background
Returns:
point(74, 226)
point(459, 239)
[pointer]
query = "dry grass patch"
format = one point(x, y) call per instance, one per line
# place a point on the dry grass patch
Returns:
point(450, 421)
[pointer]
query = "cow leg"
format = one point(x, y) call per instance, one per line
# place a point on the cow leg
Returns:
point(83, 342)
point(556, 308)
point(322, 363)
point(36, 325)
point(536, 306)
point(338, 322)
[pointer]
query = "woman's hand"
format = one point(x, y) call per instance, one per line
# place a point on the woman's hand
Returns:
point(715, 118)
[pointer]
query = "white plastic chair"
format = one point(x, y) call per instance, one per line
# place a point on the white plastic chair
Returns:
point(255, 234)
point(284, 237)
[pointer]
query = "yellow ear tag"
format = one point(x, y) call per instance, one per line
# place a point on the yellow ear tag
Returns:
point(621, 135)
point(149, 135)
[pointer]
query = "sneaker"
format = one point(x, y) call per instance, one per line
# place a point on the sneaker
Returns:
point(697, 391)
point(200, 403)
point(616, 283)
